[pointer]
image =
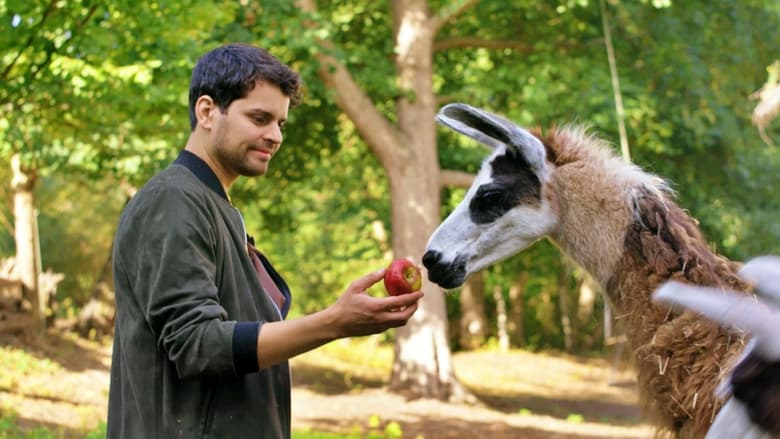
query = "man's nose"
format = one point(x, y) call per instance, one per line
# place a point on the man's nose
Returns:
point(273, 134)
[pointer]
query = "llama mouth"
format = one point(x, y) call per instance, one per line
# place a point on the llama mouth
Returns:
point(446, 275)
point(447, 280)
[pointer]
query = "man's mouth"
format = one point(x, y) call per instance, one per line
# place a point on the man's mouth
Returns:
point(263, 154)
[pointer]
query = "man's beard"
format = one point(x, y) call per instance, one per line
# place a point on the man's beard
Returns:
point(236, 159)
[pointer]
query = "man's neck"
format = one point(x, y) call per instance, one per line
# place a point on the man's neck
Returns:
point(197, 148)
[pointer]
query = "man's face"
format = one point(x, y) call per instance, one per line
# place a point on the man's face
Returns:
point(249, 132)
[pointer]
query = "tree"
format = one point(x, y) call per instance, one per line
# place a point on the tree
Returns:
point(82, 92)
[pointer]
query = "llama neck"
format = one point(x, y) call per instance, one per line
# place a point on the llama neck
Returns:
point(592, 232)
point(680, 358)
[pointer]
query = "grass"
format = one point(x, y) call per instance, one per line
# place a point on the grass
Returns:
point(10, 429)
point(365, 356)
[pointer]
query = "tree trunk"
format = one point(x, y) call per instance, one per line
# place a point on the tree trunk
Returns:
point(473, 321)
point(586, 303)
point(563, 304)
point(28, 258)
point(587, 298)
point(407, 151)
point(501, 330)
point(514, 324)
point(423, 361)
point(96, 318)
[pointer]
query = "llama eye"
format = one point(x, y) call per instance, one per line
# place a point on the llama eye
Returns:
point(488, 204)
point(489, 197)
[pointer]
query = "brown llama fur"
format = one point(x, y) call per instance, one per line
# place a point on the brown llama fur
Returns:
point(621, 224)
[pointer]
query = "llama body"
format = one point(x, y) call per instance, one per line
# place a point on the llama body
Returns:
point(619, 223)
point(752, 412)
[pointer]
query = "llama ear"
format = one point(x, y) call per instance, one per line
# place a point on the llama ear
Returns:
point(493, 131)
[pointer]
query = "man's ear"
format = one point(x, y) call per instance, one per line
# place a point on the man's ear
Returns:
point(205, 109)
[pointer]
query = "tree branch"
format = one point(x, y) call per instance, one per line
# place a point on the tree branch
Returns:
point(380, 135)
point(49, 9)
point(446, 15)
point(472, 42)
point(460, 179)
point(74, 32)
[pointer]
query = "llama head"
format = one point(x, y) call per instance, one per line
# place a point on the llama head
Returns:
point(506, 209)
point(569, 186)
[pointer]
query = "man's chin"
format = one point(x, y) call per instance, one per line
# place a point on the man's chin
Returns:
point(254, 170)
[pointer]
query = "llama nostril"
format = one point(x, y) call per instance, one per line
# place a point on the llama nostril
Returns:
point(430, 258)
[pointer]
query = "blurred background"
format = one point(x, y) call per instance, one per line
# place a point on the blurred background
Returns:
point(93, 102)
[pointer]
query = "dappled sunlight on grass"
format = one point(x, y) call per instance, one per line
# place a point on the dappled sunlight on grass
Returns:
point(344, 365)
point(567, 387)
point(541, 374)
point(18, 366)
point(59, 382)
point(340, 387)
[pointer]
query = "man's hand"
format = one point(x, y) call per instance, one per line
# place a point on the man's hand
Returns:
point(356, 313)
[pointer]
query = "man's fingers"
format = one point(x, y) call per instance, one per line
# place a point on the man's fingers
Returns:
point(401, 301)
point(366, 281)
point(399, 316)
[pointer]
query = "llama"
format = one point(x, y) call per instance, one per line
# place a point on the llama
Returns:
point(621, 225)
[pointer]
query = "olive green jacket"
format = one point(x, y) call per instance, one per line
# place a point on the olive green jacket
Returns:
point(189, 307)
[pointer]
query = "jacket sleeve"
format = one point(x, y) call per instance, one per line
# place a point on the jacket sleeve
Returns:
point(173, 254)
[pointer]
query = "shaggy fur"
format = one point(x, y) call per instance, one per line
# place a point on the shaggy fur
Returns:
point(621, 224)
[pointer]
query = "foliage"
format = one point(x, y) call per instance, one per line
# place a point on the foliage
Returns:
point(86, 85)
point(89, 89)
point(79, 217)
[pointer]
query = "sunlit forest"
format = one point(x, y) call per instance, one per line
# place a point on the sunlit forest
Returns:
point(94, 98)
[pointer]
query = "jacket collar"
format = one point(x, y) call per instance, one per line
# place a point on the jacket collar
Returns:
point(201, 170)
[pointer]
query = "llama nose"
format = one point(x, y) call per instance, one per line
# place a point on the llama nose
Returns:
point(430, 258)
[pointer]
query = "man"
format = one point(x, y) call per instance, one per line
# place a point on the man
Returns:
point(201, 344)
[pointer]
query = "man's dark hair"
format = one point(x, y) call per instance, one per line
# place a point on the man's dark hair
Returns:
point(230, 72)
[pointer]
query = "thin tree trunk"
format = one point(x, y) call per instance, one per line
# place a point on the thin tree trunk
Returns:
point(586, 299)
point(563, 304)
point(586, 302)
point(473, 321)
point(501, 318)
point(27, 252)
point(514, 322)
point(615, 83)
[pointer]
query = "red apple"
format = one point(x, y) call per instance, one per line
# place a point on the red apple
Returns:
point(402, 277)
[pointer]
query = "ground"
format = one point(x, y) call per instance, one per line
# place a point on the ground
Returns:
point(62, 384)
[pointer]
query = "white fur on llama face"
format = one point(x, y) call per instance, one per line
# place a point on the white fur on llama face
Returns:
point(504, 210)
